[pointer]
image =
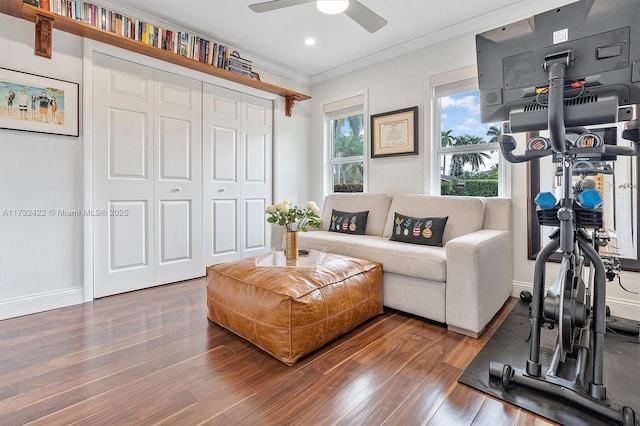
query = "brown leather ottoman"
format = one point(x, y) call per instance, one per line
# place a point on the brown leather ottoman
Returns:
point(290, 311)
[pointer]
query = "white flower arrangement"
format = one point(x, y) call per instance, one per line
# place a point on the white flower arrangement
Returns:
point(293, 218)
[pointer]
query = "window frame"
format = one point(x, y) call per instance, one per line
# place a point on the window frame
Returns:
point(449, 83)
point(334, 109)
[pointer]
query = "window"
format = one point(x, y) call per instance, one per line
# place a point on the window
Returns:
point(345, 127)
point(467, 158)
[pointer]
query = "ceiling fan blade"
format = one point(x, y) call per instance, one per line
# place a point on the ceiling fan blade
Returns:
point(365, 17)
point(276, 4)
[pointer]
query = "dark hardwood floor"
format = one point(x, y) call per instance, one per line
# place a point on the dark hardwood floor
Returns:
point(152, 357)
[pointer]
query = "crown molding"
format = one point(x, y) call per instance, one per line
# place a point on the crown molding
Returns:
point(516, 11)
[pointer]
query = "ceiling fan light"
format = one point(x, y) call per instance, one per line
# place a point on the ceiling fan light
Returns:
point(332, 7)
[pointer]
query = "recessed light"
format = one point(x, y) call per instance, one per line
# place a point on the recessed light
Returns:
point(310, 41)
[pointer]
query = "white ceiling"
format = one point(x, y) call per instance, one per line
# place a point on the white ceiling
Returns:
point(277, 37)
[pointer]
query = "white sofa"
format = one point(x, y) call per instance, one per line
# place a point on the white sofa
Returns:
point(462, 284)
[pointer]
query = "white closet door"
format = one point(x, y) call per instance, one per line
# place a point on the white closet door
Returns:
point(147, 175)
point(221, 191)
point(237, 154)
point(123, 176)
point(178, 178)
point(256, 181)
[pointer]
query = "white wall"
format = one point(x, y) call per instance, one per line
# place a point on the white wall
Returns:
point(404, 82)
point(40, 262)
point(41, 258)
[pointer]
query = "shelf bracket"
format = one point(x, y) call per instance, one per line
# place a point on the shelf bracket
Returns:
point(44, 33)
point(290, 101)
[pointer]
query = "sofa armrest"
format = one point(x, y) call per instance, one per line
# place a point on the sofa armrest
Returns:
point(479, 278)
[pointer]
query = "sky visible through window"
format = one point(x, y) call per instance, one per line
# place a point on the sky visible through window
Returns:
point(461, 114)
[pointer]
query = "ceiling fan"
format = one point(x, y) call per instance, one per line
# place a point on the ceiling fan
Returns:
point(365, 17)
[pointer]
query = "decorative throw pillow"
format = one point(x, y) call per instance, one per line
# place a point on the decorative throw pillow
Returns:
point(426, 230)
point(348, 223)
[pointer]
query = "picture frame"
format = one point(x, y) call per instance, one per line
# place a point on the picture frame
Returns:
point(35, 103)
point(395, 133)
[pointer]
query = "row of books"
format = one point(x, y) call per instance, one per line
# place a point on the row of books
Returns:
point(179, 42)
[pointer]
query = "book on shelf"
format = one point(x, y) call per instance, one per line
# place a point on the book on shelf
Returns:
point(236, 63)
point(176, 42)
point(222, 51)
point(169, 42)
point(226, 57)
point(103, 18)
point(146, 28)
point(214, 55)
point(193, 43)
point(182, 43)
point(118, 24)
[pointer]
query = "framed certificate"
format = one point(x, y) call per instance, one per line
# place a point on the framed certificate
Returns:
point(395, 133)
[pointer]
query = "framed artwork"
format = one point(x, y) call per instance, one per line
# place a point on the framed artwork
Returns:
point(38, 104)
point(395, 133)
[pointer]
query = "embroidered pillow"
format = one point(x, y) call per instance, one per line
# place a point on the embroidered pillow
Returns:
point(426, 231)
point(348, 223)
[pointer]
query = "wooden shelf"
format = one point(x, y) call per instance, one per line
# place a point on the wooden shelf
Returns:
point(25, 11)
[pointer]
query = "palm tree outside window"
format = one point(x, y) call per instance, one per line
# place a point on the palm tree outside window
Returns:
point(347, 153)
point(345, 135)
point(468, 155)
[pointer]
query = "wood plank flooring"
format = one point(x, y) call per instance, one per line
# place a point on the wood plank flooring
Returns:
point(152, 357)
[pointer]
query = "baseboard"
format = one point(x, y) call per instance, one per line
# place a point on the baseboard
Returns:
point(620, 308)
point(31, 304)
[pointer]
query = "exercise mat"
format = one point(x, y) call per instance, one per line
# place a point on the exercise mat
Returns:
point(509, 345)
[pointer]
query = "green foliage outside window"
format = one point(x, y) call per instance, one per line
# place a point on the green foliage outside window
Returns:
point(348, 142)
point(473, 182)
point(481, 188)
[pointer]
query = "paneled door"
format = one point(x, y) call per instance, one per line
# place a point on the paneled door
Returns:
point(178, 178)
point(146, 175)
point(237, 155)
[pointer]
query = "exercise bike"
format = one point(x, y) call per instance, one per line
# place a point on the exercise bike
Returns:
point(574, 306)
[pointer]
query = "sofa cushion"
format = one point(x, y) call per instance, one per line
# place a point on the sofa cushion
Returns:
point(425, 262)
point(348, 223)
point(376, 203)
point(415, 230)
point(330, 242)
point(466, 214)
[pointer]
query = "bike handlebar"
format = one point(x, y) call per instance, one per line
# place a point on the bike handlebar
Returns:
point(508, 145)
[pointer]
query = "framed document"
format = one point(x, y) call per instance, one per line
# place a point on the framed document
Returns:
point(395, 133)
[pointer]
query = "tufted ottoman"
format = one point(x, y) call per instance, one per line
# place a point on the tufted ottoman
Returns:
point(290, 311)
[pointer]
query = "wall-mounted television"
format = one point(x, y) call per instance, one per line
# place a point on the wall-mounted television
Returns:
point(602, 38)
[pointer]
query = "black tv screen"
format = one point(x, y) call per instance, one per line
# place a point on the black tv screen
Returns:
point(603, 38)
